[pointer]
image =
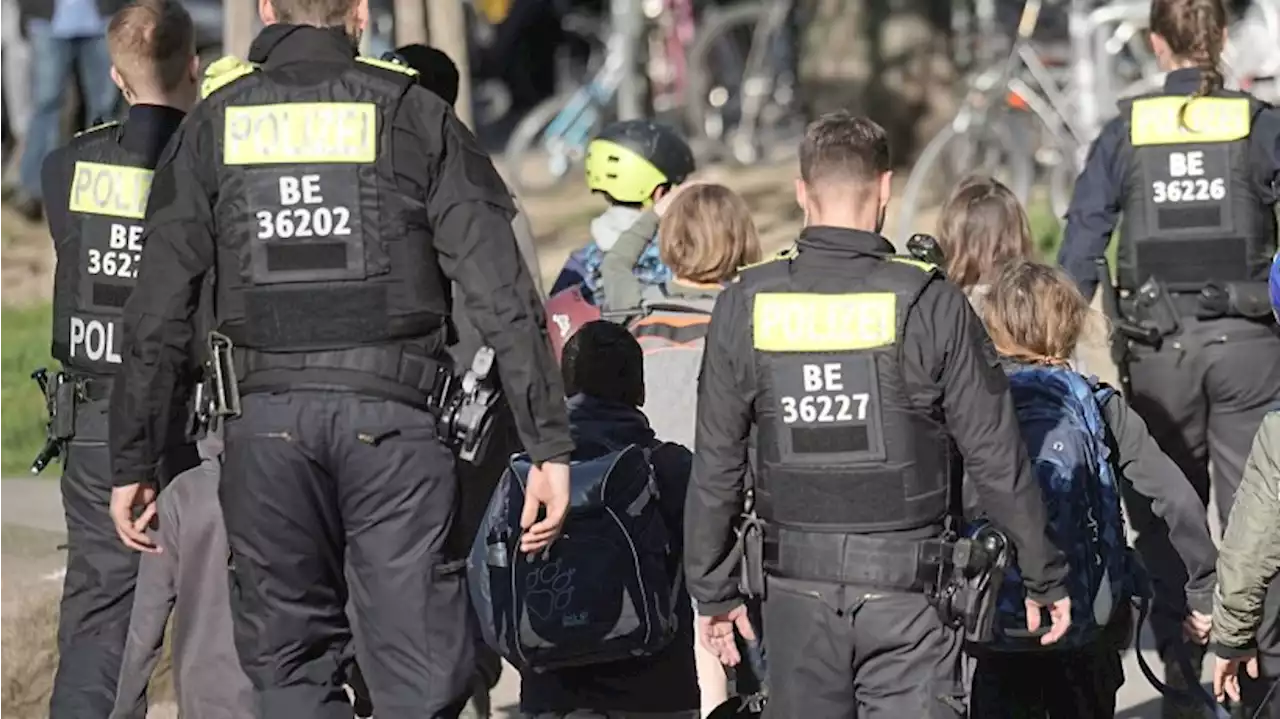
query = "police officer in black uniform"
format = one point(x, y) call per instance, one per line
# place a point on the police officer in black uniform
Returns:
point(331, 197)
point(850, 371)
point(1193, 169)
point(96, 188)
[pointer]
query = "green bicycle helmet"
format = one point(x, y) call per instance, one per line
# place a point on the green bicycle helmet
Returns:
point(629, 160)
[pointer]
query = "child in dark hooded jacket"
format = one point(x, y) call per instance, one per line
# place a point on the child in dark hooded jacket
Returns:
point(603, 370)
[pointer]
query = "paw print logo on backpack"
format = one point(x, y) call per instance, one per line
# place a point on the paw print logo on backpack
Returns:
point(548, 591)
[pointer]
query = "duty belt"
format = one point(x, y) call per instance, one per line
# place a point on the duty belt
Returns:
point(393, 373)
point(856, 559)
point(93, 389)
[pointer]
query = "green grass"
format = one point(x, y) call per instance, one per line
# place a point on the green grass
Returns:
point(1046, 234)
point(24, 340)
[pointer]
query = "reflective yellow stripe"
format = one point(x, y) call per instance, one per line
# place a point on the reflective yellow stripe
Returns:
point(798, 322)
point(388, 65)
point(301, 132)
point(920, 264)
point(1154, 120)
point(112, 190)
point(223, 72)
point(95, 128)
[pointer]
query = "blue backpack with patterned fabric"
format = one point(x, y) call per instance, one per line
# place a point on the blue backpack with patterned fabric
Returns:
point(1060, 415)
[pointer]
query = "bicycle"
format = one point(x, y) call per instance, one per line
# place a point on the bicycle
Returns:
point(563, 125)
point(1030, 117)
point(738, 112)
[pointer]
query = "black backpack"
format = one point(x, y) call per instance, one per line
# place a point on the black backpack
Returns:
point(603, 591)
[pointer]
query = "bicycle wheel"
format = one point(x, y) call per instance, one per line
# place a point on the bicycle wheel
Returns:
point(717, 61)
point(537, 163)
point(996, 146)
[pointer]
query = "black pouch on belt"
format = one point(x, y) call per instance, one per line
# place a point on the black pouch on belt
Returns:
point(1250, 300)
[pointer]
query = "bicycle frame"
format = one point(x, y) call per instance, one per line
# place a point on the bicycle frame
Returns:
point(566, 136)
point(758, 81)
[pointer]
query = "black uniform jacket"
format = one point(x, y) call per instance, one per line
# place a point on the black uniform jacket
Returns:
point(465, 203)
point(1098, 196)
point(949, 363)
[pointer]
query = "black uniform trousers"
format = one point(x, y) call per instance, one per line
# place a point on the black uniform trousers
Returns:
point(840, 652)
point(97, 595)
point(313, 481)
point(1203, 396)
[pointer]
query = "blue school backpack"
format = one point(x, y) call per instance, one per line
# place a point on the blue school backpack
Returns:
point(1060, 415)
point(604, 591)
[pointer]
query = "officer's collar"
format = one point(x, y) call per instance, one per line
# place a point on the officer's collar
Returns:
point(842, 239)
point(149, 128)
point(281, 44)
point(1182, 81)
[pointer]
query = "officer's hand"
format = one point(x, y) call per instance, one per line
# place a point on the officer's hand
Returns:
point(716, 634)
point(127, 500)
point(1196, 627)
point(1226, 679)
point(1059, 617)
point(548, 489)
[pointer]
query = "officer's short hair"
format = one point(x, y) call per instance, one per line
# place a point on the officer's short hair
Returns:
point(842, 147)
point(152, 42)
point(604, 361)
point(312, 12)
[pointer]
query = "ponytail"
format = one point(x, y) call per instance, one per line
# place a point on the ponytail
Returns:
point(1194, 31)
point(1208, 26)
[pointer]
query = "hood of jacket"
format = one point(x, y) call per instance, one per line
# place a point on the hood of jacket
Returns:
point(609, 424)
point(606, 228)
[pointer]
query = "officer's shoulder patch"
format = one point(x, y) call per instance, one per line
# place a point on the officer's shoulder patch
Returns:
point(223, 72)
point(98, 128)
point(918, 264)
point(388, 65)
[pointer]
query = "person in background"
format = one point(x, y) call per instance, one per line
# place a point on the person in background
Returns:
point(96, 238)
point(632, 164)
point(603, 370)
point(1036, 316)
point(981, 227)
point(1244, 634)
point(1195, 172)
point(188, 580)
point(705, 233)
point(66, 37)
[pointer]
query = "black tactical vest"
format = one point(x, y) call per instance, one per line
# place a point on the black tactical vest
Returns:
point(319, 248)
point(840, 445)
point(1192, 214)
point(98, 259)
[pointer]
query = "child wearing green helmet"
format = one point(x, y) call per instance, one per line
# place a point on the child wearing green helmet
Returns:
point(632, 164)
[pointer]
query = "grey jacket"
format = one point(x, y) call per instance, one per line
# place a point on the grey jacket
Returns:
point(622, 289)
point(189, 580)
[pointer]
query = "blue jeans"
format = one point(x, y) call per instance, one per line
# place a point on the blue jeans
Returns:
point(52, 61)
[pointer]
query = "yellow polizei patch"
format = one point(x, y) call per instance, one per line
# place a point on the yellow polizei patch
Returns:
point(301, 132)
point(798, 322)
point(1208, 119)
point(112, 190)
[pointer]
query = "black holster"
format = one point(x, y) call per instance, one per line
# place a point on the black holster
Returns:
point(1153, 307)
point(969, 599)
point(62, 392)
point(751, 536)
